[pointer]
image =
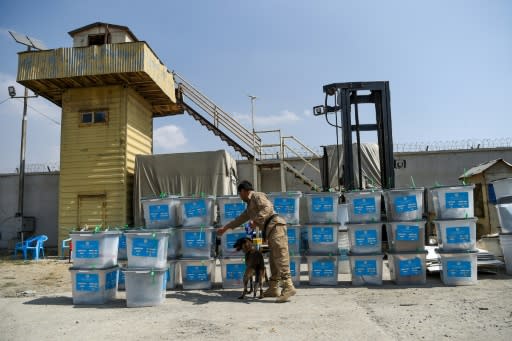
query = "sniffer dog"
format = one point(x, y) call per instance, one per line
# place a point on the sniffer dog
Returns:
point(254, 266)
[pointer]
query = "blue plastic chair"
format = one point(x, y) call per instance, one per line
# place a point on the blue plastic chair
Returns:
point(23, 247)
point(34, 244)
point(38, 249)
point(66, 245)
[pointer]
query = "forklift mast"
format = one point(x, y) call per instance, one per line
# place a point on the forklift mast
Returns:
point(343, 96)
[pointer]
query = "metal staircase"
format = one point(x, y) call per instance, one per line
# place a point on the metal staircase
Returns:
point(217, 120)
point(283, 151)
point(248, 143)
point(307, 157)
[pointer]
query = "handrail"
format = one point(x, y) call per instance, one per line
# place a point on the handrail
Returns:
point(268, 131)
point(302, 145)
point(220, 117)
point(307, 162)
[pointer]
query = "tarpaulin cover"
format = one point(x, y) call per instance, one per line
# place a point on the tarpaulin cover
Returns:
point(369, 161)
point(182, 174)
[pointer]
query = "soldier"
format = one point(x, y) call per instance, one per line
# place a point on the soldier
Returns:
point(260, 212)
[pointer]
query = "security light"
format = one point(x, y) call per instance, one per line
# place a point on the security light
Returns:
point(318, 110)
point(12, 91)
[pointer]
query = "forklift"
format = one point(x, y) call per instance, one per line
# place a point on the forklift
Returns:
point(339, 99)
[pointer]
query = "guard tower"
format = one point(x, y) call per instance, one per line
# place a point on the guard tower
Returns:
point(109, 86)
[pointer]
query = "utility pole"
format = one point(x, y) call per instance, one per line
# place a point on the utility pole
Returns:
point(254, 165)
point(30, 43)
point(21, 182)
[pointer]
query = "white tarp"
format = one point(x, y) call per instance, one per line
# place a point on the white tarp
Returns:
point(369, 161)
point(182, 174)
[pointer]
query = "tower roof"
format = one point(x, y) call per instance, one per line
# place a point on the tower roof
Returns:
point(103, 24)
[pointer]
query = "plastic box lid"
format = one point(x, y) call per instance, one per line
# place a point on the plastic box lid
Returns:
point(441, 251)
point(73, 268)
point(93, 232)
point(144, 270)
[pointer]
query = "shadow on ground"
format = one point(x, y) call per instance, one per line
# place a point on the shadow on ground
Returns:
point(215, 295)
point(66, 300)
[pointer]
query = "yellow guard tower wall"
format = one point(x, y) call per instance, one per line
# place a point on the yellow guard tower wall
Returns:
point(128, 85)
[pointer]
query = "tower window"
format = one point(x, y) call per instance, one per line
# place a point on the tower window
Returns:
point(98, 39)
point(93, 117)
point(86, 117)
point(100, 116)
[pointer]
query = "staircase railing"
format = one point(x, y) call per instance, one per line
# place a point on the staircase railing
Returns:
point(219, 118)
point(307, 155)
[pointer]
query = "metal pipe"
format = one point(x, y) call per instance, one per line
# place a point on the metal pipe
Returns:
point(358, 137)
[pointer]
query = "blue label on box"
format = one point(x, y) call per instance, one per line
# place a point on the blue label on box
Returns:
point(366, 267)
point(235, 272)
point(284, 205)
point(144, 247)
point(293, 272)
point(87, 248)
point(111, 280)
point(197, 273)
point(87, 282)
point(158, 212)
point(322, 234)
point(458, 268)
point(231, 239)
point(122, 277)
point(196, 208)
point(292, 236)
point(364, 206)
point(322, 204)
point(457, 200)
point(406, 204)
point(231, 211)
point(410, 267)
point(195, 239)
point(323, 269)
point(407, 232)
point(457, 235)
point(122, 242)
point(366, 237)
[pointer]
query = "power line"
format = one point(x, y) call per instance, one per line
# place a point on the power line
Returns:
point(48, 117)
point(36, 110)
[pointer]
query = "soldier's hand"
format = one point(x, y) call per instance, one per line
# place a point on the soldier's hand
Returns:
point(221, 231)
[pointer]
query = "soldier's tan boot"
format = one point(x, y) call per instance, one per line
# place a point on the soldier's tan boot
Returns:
point(288, 291)
point(273, 289)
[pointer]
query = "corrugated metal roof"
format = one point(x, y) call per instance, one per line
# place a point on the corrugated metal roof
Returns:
point(49, 73)
point(482, 168)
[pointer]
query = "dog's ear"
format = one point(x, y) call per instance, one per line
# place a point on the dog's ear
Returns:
point(239, 243)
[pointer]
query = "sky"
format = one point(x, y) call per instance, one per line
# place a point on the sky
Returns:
point(449, 64)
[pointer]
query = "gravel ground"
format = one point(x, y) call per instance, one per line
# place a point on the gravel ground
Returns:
point(36, 303)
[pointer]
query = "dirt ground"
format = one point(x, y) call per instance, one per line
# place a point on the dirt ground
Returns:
point(36, 304)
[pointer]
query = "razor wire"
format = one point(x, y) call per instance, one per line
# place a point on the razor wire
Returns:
point(47, 167)
point(465, 144)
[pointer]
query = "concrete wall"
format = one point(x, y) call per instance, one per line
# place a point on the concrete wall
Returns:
point(426, 168)
point(270, 178)
point(443, 167)
point(41, 202)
